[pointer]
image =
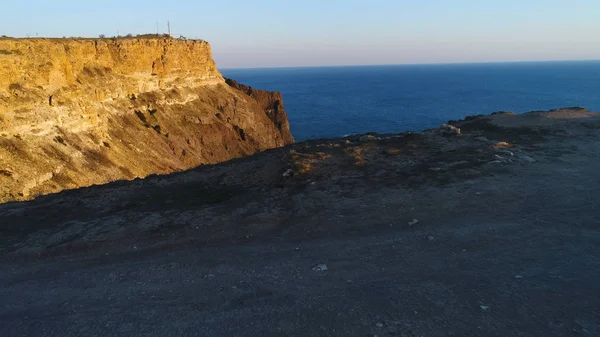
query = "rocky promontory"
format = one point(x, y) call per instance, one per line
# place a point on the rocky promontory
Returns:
point(79, 112)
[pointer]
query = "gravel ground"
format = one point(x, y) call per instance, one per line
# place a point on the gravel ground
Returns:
point(506, 242)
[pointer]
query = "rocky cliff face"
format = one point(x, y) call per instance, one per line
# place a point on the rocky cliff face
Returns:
point(78, 112)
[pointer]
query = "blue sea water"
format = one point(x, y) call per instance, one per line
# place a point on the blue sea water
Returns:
point(324, 102)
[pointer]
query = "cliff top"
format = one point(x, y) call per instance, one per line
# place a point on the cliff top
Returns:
point(126, 37)
point(49, 64)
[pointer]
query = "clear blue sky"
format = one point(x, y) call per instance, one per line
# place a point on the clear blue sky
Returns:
point(266, 33)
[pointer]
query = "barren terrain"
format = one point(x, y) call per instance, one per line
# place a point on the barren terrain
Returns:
point(491, 232)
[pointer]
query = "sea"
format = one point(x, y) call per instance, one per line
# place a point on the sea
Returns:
point(329, 102)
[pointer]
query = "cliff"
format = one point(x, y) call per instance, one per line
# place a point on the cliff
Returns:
point(78, 112)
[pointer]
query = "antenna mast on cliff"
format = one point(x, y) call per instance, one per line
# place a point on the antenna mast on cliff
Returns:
point(169, 27)
point(157, 27)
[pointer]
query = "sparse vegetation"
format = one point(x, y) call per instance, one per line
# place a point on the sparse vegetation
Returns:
point(102, 36)
point(15, 87)
point(97, 159)
point(151, 36)
point(142, 118)
point(60, 140)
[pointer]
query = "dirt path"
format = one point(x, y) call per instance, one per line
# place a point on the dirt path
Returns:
point(507, 248)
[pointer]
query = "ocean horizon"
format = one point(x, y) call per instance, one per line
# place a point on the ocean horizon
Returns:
point(406, 64)
point(334, 101)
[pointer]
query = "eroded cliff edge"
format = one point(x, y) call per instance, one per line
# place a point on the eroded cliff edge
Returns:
point(78, 112)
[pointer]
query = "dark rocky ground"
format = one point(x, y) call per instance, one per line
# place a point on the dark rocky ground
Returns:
point(507, 241)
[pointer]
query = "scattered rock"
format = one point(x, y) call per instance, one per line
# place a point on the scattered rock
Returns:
point(501, 145)
point(367, 138)
point(288, 173)
point(430, 238)
point(518, 277)
point(482, 139)
point(508, 153)
point(527, 159)
point(379, 325)
point(484, 307)
point(449, 130)
point(413, 222)
point(458, 163)
point(320, 267)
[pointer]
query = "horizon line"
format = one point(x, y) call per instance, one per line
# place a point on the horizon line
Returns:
point(410, 64)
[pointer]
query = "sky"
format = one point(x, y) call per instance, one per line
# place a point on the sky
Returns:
point(270, 33)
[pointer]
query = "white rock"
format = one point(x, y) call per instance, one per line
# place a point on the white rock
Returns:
point(449, 130)
point(484, 307)
point(430, 238)
point(320, 267)
point(527, 159)
point(518, 277)
point(288, 173)
point(379, 325)
point(413, 222)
